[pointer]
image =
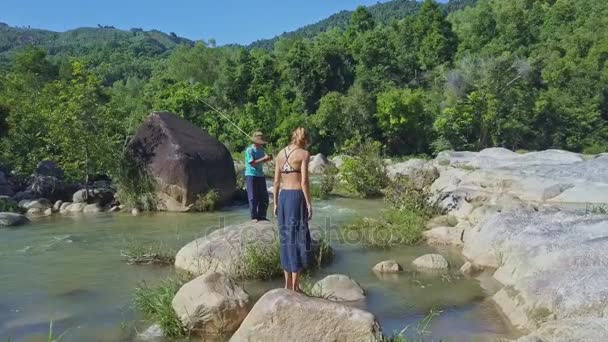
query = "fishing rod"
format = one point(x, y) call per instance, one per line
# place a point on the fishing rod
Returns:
point(224, 116)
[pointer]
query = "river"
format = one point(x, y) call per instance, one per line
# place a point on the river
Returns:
point(69, 269)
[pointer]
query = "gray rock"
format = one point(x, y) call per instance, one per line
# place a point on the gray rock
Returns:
point(63, 207)
point(154, 333)
point(554, 176)
point(101, 196)
point(318, 163)
point(421, 172)
point(224, 249)
point(388, 266)
point(12, 219)
point(339, 288)
point(468, 269)
point(40, 203)
point(444, 236)
point(211, 305)
point(47, 187)
point(551, 263)
point(431, 262)
point(283, 315)
point(39, 212)
point(57, 205)
point(49, 168)
point(184, 160)
point(74, 208)
point(92, 208)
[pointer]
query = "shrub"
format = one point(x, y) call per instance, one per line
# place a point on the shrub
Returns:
point(324, 254)
point(365, 174)
point(142, 252)
point(207, 202)
point(262, 262)
point(155, 303)
point(328, 179)
point(8, 205)
point(394, 228)
point(402, 194)
point(136, 188)
point(596, 148)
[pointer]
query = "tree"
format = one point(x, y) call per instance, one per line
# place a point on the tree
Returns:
point(405, 123)
point(360, 21)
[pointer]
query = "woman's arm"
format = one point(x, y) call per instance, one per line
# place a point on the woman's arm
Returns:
point(276, 186)
point(306, 183)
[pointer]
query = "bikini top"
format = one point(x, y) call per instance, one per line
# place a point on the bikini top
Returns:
point(287, 168)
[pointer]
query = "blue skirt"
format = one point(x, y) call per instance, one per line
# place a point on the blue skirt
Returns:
point(293, 231)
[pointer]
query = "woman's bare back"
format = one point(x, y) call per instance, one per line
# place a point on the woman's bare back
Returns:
point(290, 163)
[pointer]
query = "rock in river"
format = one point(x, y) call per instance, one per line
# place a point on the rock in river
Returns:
point(431, 262)
point(318, 163)
point(211, 304)
point(184, 160)
point(12, 219)
point(283, 315)
point(388, 266)
point(224, 250)
point(339, 288)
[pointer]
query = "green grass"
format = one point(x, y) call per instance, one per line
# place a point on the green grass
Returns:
point(596, 209)
point(394, 228)
point(207, 202)
point(138, 252)
point(402, 194)
point(155, 303)
point(414, 333)
point(317, 192)
point(262, 262)
point(7, 205)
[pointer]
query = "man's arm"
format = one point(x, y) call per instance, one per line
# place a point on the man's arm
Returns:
point(254, 162)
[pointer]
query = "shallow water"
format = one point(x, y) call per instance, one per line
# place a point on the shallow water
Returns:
point(69, 270)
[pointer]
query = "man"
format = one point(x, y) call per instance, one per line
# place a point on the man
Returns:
point(255, 181)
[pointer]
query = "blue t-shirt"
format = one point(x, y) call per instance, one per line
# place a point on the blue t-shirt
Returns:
point(253, 153)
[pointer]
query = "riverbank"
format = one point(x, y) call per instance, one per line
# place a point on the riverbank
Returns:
point(537, 222)
point(69, 269)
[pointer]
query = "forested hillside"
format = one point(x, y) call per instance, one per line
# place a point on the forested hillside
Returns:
point(514, 73)
point(382, 13)
point(87, 39)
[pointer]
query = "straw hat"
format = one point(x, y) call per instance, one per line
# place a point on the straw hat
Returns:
point(258, 138)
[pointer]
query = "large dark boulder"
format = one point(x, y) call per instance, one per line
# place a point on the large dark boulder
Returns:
point(49, 168)
point(184, 160)
point(5, 186)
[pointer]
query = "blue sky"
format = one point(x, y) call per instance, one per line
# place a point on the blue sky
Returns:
point(228, 21)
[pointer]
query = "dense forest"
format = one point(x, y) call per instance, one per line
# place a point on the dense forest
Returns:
point(523, 74)
point(382, 13)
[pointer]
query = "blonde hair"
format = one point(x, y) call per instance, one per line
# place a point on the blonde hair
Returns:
point(300, 137)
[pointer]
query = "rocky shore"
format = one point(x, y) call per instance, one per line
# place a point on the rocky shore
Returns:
point(537, 222)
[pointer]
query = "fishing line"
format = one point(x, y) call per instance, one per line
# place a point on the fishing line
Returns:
point(225, 117)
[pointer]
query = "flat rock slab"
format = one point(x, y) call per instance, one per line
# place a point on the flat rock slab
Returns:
point(552, 263)
point(283, 315)
point(444, 236)
point(431, 262)
point(339, 288)
point(224, 250)
point(12, 219)
point(211, 305)
point(388, 266)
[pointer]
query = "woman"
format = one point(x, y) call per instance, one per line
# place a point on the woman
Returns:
point(292, 207)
